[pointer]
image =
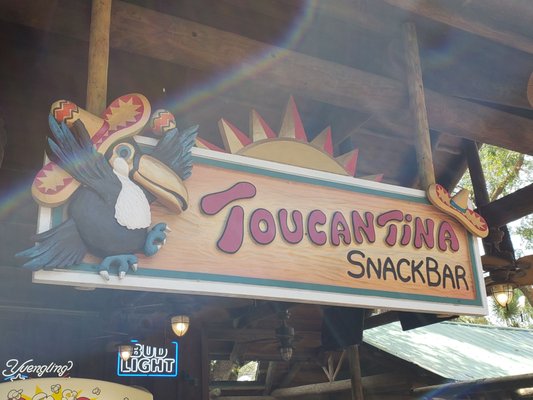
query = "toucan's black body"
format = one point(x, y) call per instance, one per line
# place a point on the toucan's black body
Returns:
point(93, 225)
point(98, 228)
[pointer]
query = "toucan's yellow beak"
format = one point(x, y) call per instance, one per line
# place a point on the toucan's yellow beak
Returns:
point(163, 183)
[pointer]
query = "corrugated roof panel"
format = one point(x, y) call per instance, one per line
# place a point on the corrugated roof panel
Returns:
point(459, 351)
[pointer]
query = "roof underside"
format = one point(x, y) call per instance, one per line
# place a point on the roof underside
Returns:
point(343, 61)
point(459, 351)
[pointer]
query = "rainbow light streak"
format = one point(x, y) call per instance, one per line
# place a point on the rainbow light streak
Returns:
point(180, 103)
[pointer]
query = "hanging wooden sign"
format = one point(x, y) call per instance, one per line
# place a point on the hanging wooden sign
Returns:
point(258, 223)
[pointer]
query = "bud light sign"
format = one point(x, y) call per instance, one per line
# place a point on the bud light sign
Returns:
point(149, 361)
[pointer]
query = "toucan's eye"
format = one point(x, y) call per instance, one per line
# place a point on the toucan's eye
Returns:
point(124, 151)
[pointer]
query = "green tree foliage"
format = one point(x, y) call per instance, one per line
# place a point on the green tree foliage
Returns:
point(525, 231)
point(506, 171)
point(518, 313)
point(473, 319)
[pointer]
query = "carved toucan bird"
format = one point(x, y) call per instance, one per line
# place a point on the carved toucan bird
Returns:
point(109, 214)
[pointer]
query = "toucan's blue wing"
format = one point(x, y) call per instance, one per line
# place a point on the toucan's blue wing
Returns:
point(74, 151)
point(174, 149)
point(59, 247)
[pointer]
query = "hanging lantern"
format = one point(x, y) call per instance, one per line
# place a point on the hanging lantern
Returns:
point(502, 293)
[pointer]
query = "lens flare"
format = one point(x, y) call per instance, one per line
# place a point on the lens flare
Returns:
point(182, 102)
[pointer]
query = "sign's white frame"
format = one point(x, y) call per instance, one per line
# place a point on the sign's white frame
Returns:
point(247, 290)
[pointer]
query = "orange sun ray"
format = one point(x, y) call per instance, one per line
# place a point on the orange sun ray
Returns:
point(290, 147)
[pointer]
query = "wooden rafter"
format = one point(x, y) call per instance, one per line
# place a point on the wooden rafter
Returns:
point(332, 369)
point(368, 18)
point(355, 372)
point(291, 373)
point(321, 80)
point(509, 208)
point(98, 56)
point(478, 385)
point(417, 107)
point(381, 319)
point(476, 173)
point(445, 11)
point(376, 383)
point(269, 379)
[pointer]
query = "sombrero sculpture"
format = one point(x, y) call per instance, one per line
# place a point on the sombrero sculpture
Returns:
point(457, 207)
point(125, 117)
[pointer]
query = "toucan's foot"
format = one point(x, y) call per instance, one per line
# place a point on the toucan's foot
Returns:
point(123, 262)
point(156, 238)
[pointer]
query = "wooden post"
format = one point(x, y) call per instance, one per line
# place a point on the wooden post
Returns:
point(417, 105)
point(480, 188)
point(339, 364)
point(289, 376)
point(98, 56)
point(355, 372)
point(205, 365)
point(499, 241)
point(476, 173)
point(3, 139)
point(269, 380)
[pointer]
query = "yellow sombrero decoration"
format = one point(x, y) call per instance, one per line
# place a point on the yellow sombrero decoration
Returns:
point(457, 207)
point(124, 117)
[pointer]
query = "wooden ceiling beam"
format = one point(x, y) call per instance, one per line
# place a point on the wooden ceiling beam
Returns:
point(291, 374)
point(445, 11)
point(199, 46)
point(369, 17)
point(490, 124)
point(236, 385)
point(245, 398)
point(375, 383)
point(69, 19)
point(142, 31)
point(509, 208)
point(216, 333)
point(263, 311)
point(491, 80)
point(297, 356)
point(497, 384)
point(358, 14)
point(482, 76)
point(383, 318)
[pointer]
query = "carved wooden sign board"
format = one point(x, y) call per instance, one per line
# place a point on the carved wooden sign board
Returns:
point(262, 229)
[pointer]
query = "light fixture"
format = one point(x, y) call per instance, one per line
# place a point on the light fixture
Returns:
point(285, 335)
point(286, 353)
point(180, 324)
point(125, 351)
point(524, 392)
point(502, 293)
